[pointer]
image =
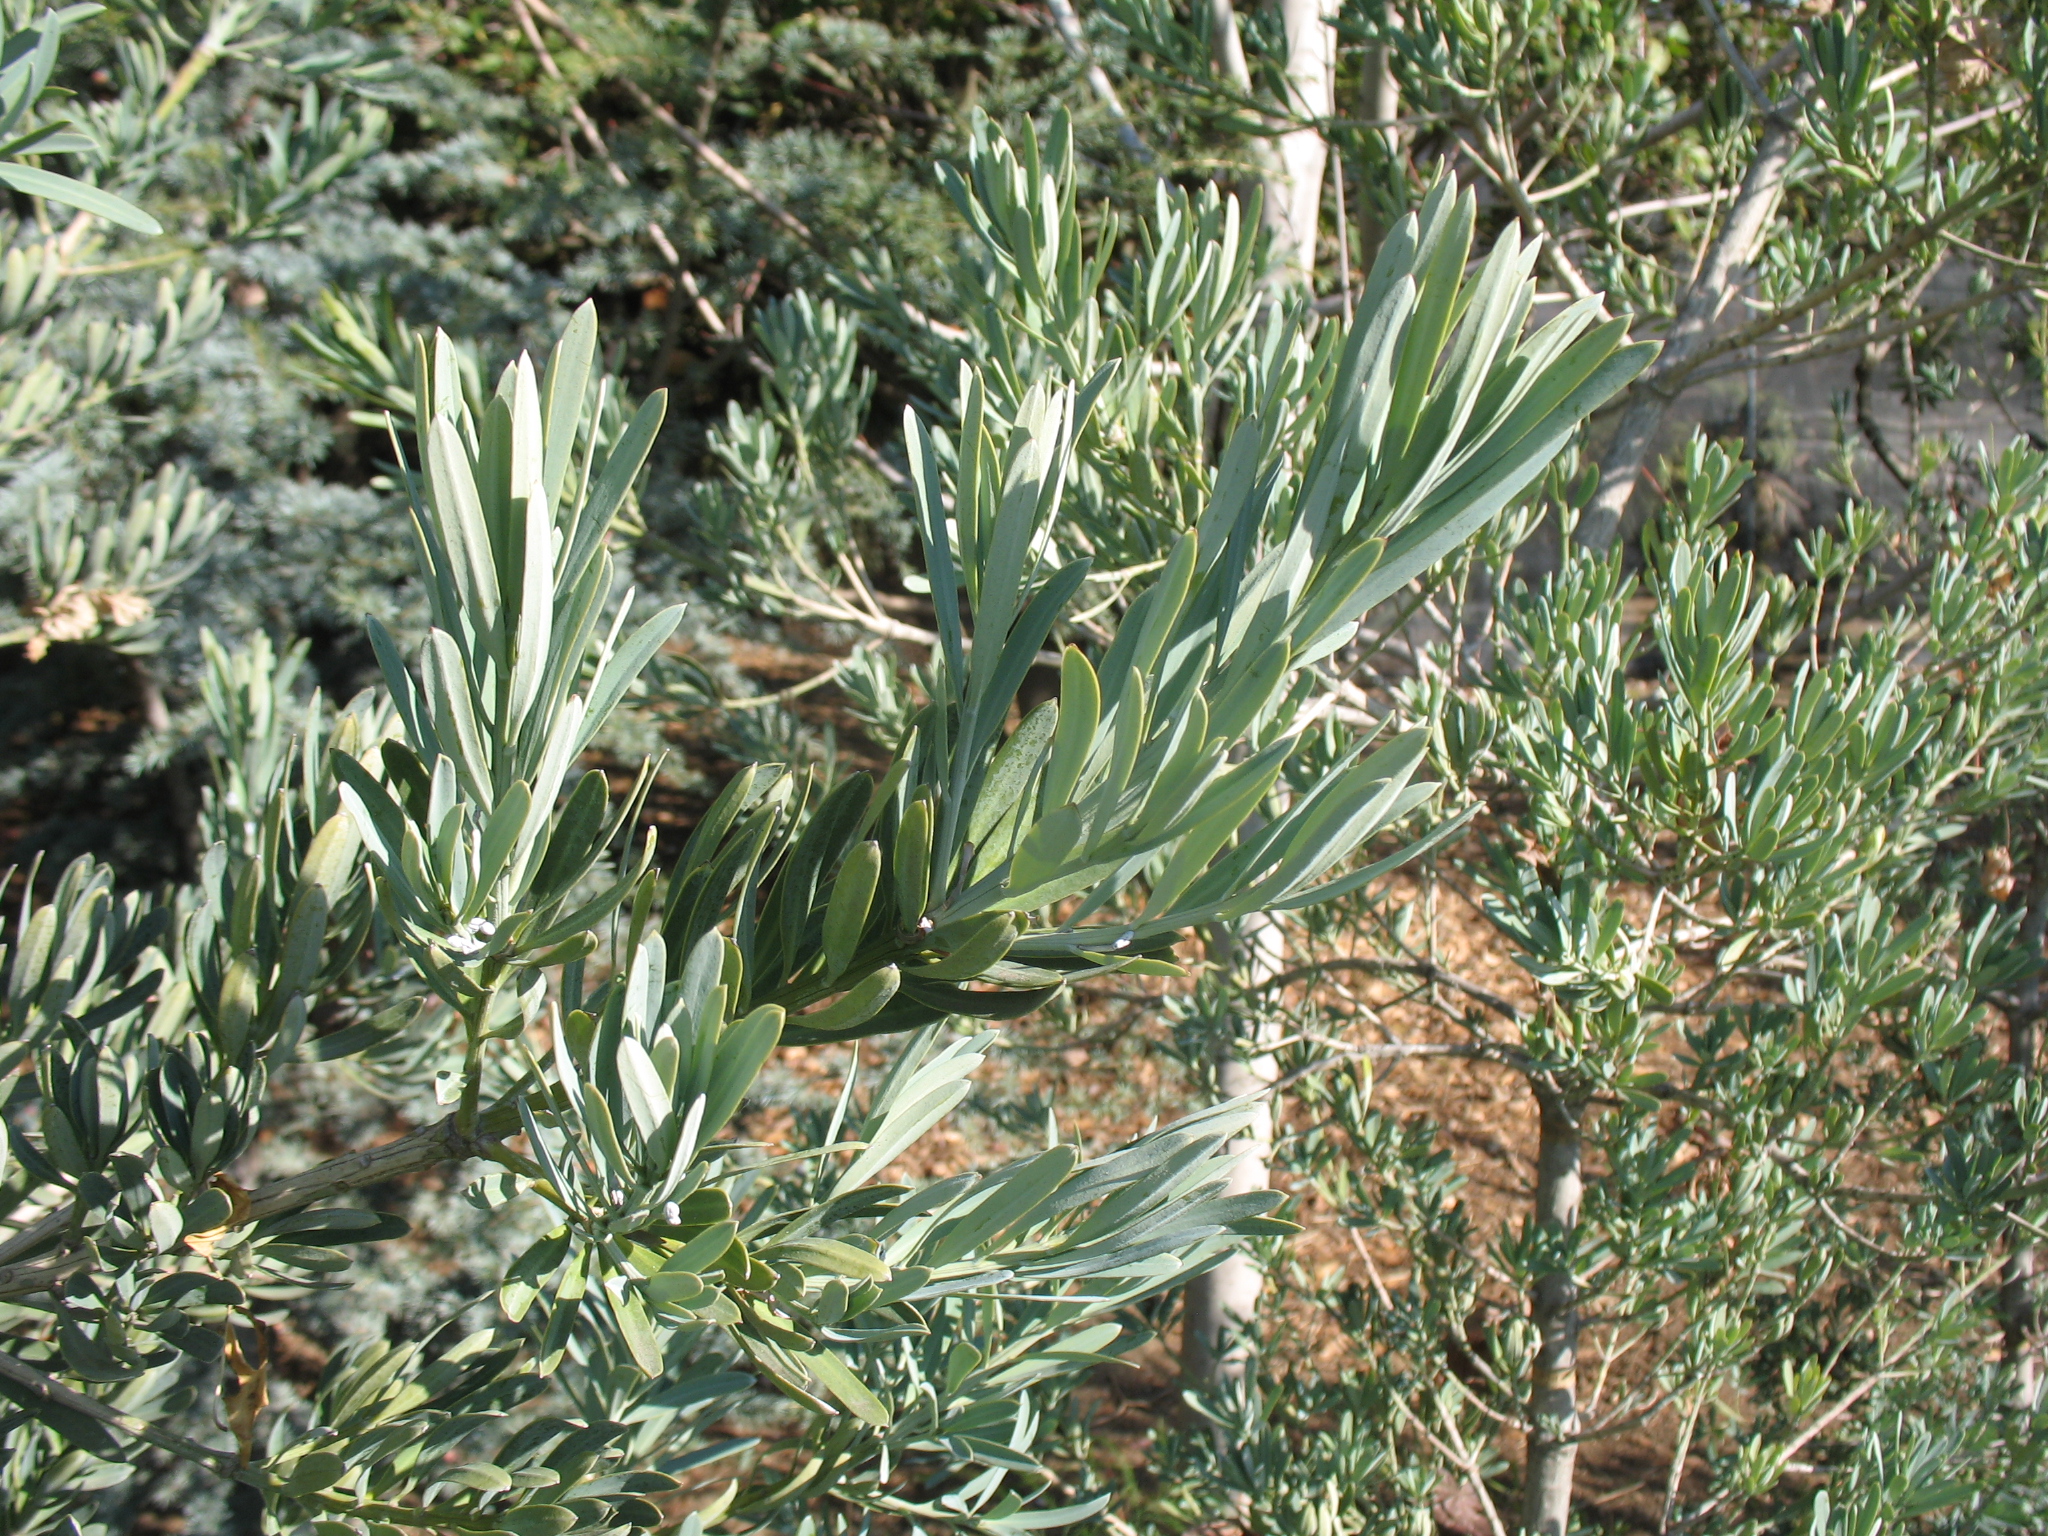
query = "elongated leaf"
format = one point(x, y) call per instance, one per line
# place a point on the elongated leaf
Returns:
point(38, 182)
point(566, 387)
point(646, 1095)
point(839, 1379)
point(741, 1053)
point(621, 468)
point(624, 667)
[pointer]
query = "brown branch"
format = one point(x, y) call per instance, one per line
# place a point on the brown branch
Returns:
point(1395, 1051)
point(1877, 261)
point(440, 1142)
point(27, 1279)
point(1752, 87)
point(58, 1395)
point(712, 159)
point(1428, 970)
point(1866, 364)
point(1686, 117)
point(590, 133)
point(1496, 158)
point(1840, 338)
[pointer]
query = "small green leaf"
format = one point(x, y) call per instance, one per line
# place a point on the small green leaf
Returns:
point(913, 860)
point(636, 1330)
point(835, 1257)
point(839, 1379)
point(972, 952)
point(647, 1096)
point(846, 911)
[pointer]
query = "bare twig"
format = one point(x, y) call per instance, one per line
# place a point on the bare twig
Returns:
point(1428, 970)
point(1686, 117)
point(1923, 233)
point(1872, 354)
point(1752, 87)
point(1496, 158)
point(783, 695)
point(58, 1395)
point(723, 168)
point(1394, 1051)
point(1068, 25)
point(595, 139)
point(1832, 341)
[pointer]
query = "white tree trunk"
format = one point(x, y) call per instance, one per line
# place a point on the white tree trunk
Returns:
point(1722, 272)
point(1554, 1309)
point(1294, 188)
point(1221, 1305)
point(1227, 45)
point(1292, 165)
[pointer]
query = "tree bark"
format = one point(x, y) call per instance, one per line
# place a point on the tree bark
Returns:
point(1554, 1309)
point(1720, 278)
point(1227, 46)
point(1221, 1305)
point(1379, 101)
point(1294, 187)
point(1068, 25)
point(1293, 163)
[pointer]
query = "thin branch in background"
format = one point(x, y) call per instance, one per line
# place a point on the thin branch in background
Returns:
point(1384, 1052)
point(1494, 155)
point(1691, 116)
point(713, 320)
point(784, 695)
point(1867, 362)
point(1427, 970)
point(1068, 26)
point(1752, 87)
point(1807, 303)
point(1833, 341)
point(723, 168)
point(591, 135)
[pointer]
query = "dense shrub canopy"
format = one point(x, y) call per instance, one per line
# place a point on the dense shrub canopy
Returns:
point(618, 620)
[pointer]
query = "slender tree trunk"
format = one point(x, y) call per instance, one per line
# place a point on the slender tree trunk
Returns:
point(1720, 278)
point(1379, 101)
point(1068, 25)
point(1227, 46)
point(1294, 189)
point(2016, 1306)
point(1291, 165)
point(1221, 1305)
point(1554, 1308)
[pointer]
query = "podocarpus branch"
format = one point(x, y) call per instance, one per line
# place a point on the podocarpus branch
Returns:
point(36, 1384)
point(430, 1145)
